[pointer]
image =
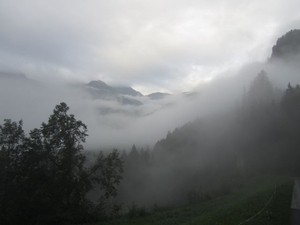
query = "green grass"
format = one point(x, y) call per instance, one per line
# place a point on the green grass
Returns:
point(230, 209)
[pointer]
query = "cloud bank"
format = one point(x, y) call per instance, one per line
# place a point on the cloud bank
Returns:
point(151, 45)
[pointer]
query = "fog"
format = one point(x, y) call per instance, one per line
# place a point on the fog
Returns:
point(166, 45)
point(203, 143)
point(197, 160)
point(205, 47)
point(125, 125)
point(200, 160)
point(221, 112)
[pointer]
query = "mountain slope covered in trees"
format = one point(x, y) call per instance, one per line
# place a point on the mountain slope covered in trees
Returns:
point(214, 154)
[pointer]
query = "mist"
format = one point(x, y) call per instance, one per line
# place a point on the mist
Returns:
point(142, 125)
point(184, 101)
point(191, 136)
point(121, 127)
point(199, 160)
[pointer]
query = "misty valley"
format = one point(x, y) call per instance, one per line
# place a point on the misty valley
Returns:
point(102, 154)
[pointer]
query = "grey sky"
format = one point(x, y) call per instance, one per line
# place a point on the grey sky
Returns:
point(151, 45)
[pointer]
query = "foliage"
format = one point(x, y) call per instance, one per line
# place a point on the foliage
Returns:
point(213, 156)
point(11, 173)
point(287, 45)
point(44, 178)
point(136, 211)
point(291, 103)
point(159, 208)
point(107, 211)
point(132, 210)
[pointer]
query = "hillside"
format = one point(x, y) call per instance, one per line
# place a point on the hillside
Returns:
point(212, 155)
point(287, 46)
point(273, 193)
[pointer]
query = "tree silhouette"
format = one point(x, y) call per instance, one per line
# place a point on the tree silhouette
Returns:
point(44, 179)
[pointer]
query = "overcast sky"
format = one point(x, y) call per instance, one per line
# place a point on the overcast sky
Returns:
point(165, 45)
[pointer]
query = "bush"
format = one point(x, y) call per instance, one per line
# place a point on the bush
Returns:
point(135, 211)
point(107, 210)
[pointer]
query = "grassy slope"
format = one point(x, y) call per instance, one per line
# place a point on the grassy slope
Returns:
point(231, 209)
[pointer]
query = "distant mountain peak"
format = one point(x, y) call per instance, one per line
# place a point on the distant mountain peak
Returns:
point(125, 90)
point(100, 90)
point(99, 85)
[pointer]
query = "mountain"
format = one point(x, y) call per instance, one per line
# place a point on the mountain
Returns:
point(18, 78)
point(122, 100)
point(157, 95)
point(287, 46)
point(100, 85)
point(100, 90)
point(127, 91)
point(15, 76)
point(123, 90)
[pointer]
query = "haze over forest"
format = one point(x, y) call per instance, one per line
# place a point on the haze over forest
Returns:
point(196, 97)
point(119, 116)
point(170, 47)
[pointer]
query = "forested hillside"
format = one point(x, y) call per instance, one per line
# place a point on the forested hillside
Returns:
point(212, 156)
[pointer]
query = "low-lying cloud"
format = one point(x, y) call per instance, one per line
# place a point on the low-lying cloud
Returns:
point(113, 125)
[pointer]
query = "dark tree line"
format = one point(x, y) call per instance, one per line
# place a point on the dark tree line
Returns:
point(44, 177)
point(268, 130)
point(287, 46)
point(214, 155)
